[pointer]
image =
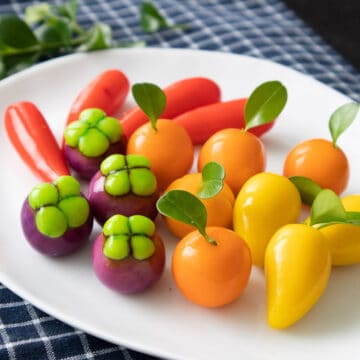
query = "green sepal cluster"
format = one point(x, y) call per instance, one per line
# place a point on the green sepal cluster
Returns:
point(58, 206)
point(127, 236)
point(93, 133)
point(128, 173)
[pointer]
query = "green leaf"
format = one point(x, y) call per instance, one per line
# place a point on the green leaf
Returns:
point(68, 10)
point(151, 99)
point(15, 33)
point(99, 38)
point(37, 13)
point(307, 188)
point(150, 18)
point(327, 207)
point(47, 35)
point(185, 207)
point(4, 48)
point(341, 119)
point(62, 27)
point(353, 217)
point(54, 31)
point(265, 103)
point(212, 183)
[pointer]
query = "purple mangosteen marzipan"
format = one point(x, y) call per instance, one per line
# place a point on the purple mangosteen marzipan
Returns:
point(123, 185)
point(56, 218)
point(89, 140)
point(129, 255)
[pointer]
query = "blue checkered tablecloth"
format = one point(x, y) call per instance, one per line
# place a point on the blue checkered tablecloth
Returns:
point(260, 28)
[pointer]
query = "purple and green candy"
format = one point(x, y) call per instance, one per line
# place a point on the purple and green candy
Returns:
point(56, 218)
point(91, 139)
point(124, 185)
point(128, 256)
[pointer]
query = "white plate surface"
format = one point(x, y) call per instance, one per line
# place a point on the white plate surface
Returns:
point(161, 321)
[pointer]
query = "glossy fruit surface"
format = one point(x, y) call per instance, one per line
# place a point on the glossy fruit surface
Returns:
point(106, 91)
point(34, 141)
point(321, 161)
point(266, 202)
point(169, 150)
point(203, 122)
point(211, 275)
point(297, 269)
point(241, 154)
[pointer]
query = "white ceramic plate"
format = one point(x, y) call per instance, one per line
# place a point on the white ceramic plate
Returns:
point(161, 321)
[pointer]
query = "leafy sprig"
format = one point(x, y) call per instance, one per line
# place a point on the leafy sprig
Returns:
point(152, 21)
point(48, 30)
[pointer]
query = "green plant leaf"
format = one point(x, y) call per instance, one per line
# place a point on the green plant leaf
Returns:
point(4, 48)
point(265, 103)
point(341, 119)
point(353, 217)
point(307, 188)
point(15, 33)
point(37, 13)
point(213, 175)
point(151, 99)
point(150, 18)
point(99, 38)
point(327, 208)
point(47, 34)
point(55, 31)
point(68, 10)
point(185, 207)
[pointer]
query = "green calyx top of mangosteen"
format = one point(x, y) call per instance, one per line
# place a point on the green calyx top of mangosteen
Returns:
point(58, 206)
point(127, 236)
point(93, 133)
point(128, 173)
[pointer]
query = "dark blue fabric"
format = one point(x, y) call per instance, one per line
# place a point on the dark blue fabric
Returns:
point(260, 28)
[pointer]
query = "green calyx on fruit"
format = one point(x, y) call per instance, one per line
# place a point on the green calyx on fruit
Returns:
point(58, 206)
point(127, 236)
point(128, 173)
point(93, 133)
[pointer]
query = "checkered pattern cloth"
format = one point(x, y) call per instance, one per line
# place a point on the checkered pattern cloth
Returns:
point(258, 28)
